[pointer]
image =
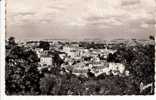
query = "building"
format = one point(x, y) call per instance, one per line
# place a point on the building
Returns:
point(117, 68)
point(39, 51)
point(46, 61)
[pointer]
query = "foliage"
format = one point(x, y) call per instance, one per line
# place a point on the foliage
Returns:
point(45, 45)
point(151, 37)
point(22, 76)
point(139, 60)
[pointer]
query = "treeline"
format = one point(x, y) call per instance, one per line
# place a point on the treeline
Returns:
point(93, 45)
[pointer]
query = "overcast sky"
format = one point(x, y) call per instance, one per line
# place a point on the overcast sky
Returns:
point(79, 19)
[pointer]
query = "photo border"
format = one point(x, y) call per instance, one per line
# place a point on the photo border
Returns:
point(2, 73)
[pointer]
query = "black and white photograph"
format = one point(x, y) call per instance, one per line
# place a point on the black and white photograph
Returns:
point(80, 47)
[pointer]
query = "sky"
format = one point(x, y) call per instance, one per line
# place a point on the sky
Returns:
point(80, 19)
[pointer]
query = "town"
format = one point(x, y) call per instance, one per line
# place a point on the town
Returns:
point(77, 58)
point(90, 59)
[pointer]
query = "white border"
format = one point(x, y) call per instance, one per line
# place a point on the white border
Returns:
point(2, 47)
point(2, 74)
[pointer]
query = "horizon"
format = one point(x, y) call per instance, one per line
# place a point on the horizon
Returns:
point(85, 39)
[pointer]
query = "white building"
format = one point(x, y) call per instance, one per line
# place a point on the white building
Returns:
point(39, 51)
point(117, 67)
point(73, 51)
point(46, 61)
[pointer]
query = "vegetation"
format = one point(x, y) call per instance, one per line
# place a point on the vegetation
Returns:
point(23, 78)
point(45, 45)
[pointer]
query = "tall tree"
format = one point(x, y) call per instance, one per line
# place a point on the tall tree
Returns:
point(22, 76)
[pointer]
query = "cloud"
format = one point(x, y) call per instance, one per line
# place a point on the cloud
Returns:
point(45, 21)
point(139, 9)
point(105, 22)
point(57, 8)
point(144, 25)
point(80, 16)
point(26, 13)
point(95, 18)
point(129, 2)
point(150, 22)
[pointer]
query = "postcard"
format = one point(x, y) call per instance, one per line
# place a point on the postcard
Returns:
point(79, 47)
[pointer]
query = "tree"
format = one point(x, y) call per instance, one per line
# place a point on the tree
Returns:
point(45, 45)
point(50, 84)
point(22, 76)
point(139, 60)
point(11, 43)
point(11, 40)
point(151, 37)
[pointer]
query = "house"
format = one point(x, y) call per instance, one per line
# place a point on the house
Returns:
point(39, 51)
point(46, 62)
point(117, 68)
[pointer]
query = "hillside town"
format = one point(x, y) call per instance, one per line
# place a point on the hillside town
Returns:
point(84, 59)
point(79, 59)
